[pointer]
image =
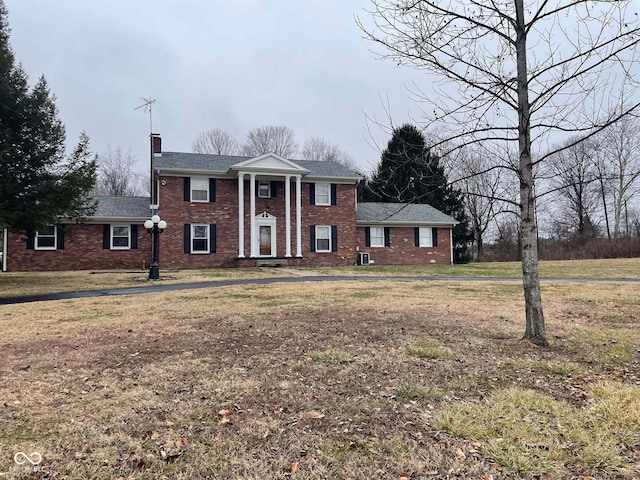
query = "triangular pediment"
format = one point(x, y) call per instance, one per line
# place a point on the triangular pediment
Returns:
point(269, 163)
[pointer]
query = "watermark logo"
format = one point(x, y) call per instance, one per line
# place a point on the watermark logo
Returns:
point(21, 458)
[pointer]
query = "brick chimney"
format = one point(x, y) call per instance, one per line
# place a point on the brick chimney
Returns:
point(156, 145)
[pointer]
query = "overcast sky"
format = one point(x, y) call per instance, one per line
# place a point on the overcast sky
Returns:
point(230, 64)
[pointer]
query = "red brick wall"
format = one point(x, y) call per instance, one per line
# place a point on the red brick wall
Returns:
point(82, 251)
point(402, 249)
point(224, 213)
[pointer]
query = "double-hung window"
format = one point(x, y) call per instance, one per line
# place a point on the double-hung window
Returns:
point(323, 194)
point(425, 237)
point(199, 189)
point(264, 189)
point(199, 238)
point(377, 236)
point(120, 237)
point(323, 238)
point(46, 239)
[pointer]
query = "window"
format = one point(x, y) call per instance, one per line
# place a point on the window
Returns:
point(323, 194)
point(199, 189)
point(46, 239)
point(323, 238)
point(120, 237)
point(377, 237)
point(199, 238)
point(425, 237)
point(264, 189)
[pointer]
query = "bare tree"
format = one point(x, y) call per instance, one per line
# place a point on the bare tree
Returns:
point(483, 188)
point(116, 175)
point(217, 142)
point(317, 148)
point(574, 180)
point(270, 139)
point(516, 73)
point(620, 163)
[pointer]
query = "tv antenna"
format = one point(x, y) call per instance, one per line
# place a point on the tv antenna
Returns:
point(147, 107)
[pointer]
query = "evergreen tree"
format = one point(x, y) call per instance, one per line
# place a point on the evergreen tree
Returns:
point(410, 173)
point(37, 183)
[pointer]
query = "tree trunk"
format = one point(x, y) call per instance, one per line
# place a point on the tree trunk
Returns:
point(535, 329)
point(479, 243)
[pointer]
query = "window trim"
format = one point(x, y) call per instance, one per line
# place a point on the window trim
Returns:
point(112, 236)
point(318, 186)
point(262, 183)
point(328, 228)
point(207, 238)
point(37, 235)
point(428, 237)
point(193, 180)
point(371, 237)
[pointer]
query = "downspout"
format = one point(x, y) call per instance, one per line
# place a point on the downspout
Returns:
point(451, 244)
point(4, 250)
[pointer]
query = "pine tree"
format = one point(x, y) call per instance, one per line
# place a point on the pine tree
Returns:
point(410, 173)
point(37, 183)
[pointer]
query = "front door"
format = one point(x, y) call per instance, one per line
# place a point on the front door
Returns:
point(265, 240)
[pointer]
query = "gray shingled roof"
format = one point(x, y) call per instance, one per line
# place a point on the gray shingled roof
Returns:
point(222, 163)
point(401, 213)
point(122, 207)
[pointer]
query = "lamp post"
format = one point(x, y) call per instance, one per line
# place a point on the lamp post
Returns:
point(155, 226)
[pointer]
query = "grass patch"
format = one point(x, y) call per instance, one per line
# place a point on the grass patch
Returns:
point(427, 348)
point(530, 432)
point(606, 345)
point(331, 357)
point(412, 391)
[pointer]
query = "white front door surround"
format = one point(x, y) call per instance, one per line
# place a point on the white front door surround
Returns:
point(266, 235)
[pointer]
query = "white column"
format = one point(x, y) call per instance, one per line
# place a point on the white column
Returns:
point(287, 214)
point(298, 218)
point(252, 190)
point(241, 215)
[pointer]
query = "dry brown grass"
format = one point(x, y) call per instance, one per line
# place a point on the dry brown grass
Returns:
point(13, 284)
point(220, 383)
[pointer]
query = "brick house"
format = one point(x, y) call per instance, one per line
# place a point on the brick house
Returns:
point(230, 211)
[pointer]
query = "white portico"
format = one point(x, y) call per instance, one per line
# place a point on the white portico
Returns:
point(262, 225)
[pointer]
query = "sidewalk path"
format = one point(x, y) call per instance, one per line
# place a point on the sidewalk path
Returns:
point(159, 287)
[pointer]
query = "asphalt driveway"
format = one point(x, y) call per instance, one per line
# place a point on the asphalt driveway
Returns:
point(159, 287)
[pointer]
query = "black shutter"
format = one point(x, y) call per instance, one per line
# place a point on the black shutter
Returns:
point(334, 238)
point(416, 235)
point(367, 236)
point(257, 188)
point(187, 189)
point(387, 236)
point(134, 236)
point(312, 235)
point(212, 238)
point(434, 236)
point(334, 194)
point(106, 236)
point(60, 239)
point(31, 240)
point(212, 190)
point(312, 194)
point(187, 238)
point(274, 189)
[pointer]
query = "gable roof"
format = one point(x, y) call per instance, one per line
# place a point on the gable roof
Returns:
point(109, 207)
point(221, 164)
point(401, 214)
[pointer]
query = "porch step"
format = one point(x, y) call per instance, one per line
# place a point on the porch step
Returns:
point(272, 262)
